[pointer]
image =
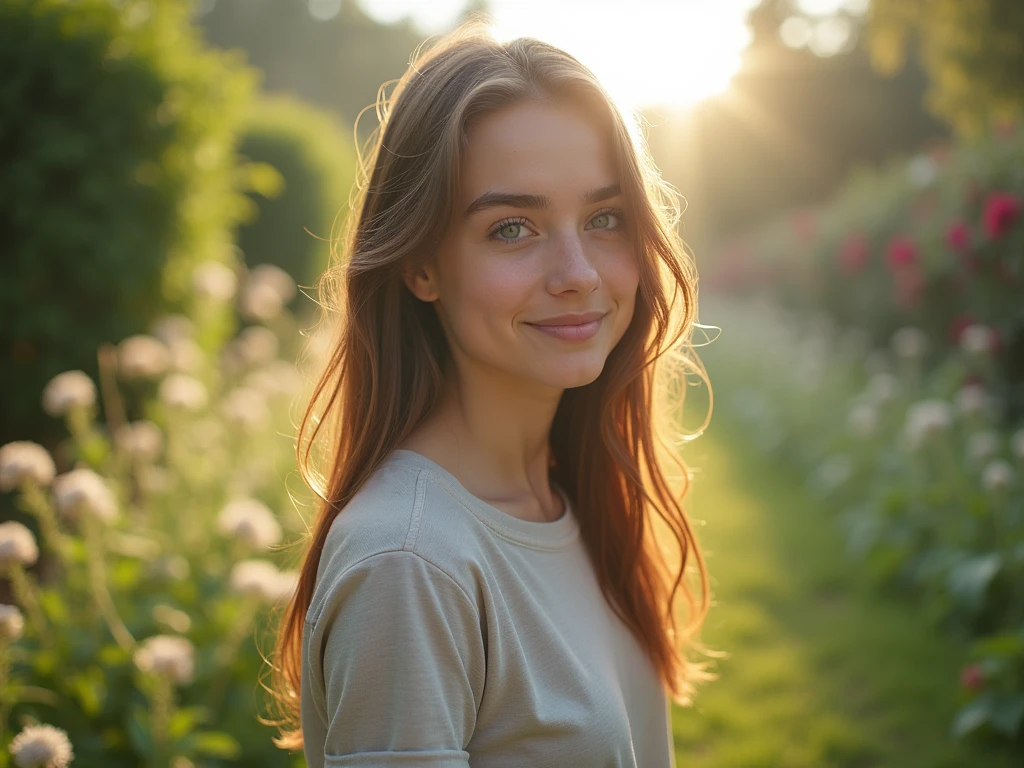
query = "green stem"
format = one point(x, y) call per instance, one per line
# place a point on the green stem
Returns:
point(161, 708)
point(228, 651)
point(98, 585)
point(25, 594)
point(40, 506)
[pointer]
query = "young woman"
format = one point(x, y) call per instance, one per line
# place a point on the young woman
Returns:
point(485, 585)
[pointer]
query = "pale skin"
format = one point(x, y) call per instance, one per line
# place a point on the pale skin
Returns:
point(502, 267)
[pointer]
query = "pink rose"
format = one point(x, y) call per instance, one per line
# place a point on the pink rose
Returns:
point(1002, 209)
point(959, 237)
point(972, 677)
point(901, 252)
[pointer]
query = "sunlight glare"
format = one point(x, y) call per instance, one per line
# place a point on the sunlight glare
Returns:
point(648, 53)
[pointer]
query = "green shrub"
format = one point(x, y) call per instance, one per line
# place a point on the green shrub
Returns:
point(316, 161)
point(117, 138)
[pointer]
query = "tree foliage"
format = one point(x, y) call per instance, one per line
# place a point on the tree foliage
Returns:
point(117, 138)
point(973, 51)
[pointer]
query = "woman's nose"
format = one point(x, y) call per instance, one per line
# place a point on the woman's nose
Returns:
point(571, 267)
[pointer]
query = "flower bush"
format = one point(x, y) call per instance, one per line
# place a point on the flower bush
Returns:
point(161, 530)
point(894, 380)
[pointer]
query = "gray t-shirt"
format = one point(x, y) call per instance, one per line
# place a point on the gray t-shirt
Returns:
point(444, 632)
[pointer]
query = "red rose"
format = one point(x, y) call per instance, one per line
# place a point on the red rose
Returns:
point(1002, 209)
point(972, 677)
point(853, 254)
point(901, 252)
point(958, 236)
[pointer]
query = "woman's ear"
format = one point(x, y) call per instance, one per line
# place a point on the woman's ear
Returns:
point(422, 282)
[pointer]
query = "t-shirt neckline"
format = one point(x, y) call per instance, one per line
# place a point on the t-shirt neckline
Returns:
point(550, 535)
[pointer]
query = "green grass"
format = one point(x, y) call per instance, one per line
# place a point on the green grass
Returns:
point(823, 669)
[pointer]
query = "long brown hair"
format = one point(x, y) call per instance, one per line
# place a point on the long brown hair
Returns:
point(385, 369)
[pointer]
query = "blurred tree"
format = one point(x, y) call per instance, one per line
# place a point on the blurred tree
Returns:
point(117, 175)
point(316, 161)
point(327, 52)
point(973, 51)
point(791, 127)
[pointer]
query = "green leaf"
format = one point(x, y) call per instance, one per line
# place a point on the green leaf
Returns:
point(137, 726)
point(973, 715)
point(90, 688)
point(1006, 644)
point(217, 744)
point(968, 581)
point(186, 719)
point(52, 603)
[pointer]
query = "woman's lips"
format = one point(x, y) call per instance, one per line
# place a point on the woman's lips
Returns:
point(571, 332)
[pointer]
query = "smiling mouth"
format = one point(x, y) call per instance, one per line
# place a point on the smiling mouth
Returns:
point(580, 332)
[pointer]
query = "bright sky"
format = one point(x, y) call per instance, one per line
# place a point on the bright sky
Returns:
point(645, 52)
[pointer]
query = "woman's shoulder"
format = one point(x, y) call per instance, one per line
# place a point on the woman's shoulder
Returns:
point(397, 509)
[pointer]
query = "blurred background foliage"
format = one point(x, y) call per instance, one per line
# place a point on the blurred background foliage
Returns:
point(119, 129)
point(314, 160)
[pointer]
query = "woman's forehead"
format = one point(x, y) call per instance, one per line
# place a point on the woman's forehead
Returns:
point(536, 148)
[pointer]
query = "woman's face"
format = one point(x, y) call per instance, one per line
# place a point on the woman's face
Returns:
point(538, 231)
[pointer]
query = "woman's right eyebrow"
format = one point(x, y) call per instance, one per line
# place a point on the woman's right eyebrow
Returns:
point(539, 202)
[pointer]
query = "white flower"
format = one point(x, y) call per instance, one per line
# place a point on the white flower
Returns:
point(257, 344)
point(245, 407)
point(82, 491)
point(998, 475)
point(926, 419)
point(41, 746)
point(862, 420)
point(17, 545)
point(142, 439)
point(883, 387)
point(260, 302)
point(982, 445)
point(214, 280)
point(257, 578)
point(909, 342)
point(186, 355)
point(23, 461)
point(71, 389)
point(274, 277)
point(179, 390)
point(167, 655)
point(251, 521)
point(972, 400)
point(977, 339)
point(921, 171)
point(11, 622)
point(173, 328)
point(1017, 443)
point(142, 357)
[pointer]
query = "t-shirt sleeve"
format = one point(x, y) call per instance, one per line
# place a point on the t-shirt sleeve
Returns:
point(403, 665)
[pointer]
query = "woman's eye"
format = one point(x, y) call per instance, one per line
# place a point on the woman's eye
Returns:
point(510, 231)
point(603, 219)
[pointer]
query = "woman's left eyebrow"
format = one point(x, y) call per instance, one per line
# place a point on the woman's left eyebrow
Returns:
point(539, 202)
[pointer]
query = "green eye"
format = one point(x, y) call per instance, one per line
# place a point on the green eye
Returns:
point(510, 231)
point(598, 220)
